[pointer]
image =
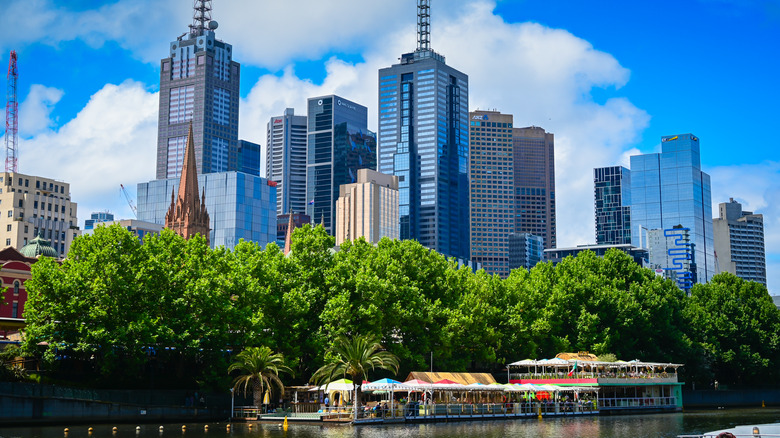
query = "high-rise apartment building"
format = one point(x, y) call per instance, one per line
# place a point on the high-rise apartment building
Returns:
point(492, 190)
point(199, 83)
point(423, 140)
point(739, 242)
point(286, 161)
point(368, 208)
point(612, 202)
point(534, 173)
point(32, 206)
point(339, 144)
point(669, 189)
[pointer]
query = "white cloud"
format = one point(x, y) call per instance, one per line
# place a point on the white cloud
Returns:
point(35, 111)
point(105, 145)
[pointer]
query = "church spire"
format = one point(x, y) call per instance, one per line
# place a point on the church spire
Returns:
point(288, 236)
point(187, 214)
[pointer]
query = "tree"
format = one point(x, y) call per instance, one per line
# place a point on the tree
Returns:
point(355, 357)
point(260, 368)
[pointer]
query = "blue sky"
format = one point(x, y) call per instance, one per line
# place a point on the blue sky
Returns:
point(609, 78)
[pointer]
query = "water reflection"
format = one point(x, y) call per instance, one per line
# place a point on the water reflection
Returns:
point(639, 426)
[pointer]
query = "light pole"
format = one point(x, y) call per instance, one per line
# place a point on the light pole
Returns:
point(232, 401)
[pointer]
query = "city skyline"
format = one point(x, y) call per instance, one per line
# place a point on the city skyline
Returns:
point(610, 90)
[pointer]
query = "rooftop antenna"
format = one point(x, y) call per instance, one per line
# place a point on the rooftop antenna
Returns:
point(201, 17)
point(11, 117)
point(423, 25)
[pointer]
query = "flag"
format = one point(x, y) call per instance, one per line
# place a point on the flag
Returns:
point(311, 202)
point(574, 368)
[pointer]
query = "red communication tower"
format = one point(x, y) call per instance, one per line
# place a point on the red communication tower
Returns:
point(11, 116)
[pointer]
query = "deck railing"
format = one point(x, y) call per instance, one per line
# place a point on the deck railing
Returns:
point(631, 403)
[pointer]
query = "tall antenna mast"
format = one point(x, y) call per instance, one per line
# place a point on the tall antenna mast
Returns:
point(201, 17)
point(423, 25)
point(11, 117)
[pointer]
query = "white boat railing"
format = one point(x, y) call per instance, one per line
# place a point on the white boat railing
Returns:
point(634, 402)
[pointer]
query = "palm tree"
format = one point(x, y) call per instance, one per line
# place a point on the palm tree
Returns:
point(260, 367)
point(355, 358)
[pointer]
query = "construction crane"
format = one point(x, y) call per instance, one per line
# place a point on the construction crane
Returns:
point(11, 117)
point(129, 201)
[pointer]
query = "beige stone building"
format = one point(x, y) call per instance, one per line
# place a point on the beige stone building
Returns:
point(33, 205)
point(368, 208)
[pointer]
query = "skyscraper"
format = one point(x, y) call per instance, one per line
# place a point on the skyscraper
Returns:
point(534, 168)
point(612, 202)
point(249, 157)
point(368, 208)
point(668, 190)
point(339, 143)
point(739, 242)
point(423, 139)
point(199, 83)
point(492, 190)
point(286, 161)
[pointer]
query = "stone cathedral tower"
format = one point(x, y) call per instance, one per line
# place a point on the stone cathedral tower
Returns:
point(187, 214)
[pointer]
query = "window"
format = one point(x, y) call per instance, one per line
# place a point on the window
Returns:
point(7, 242)
point(26, 228)
point(35, 204)
point(15, 311)
point(37, 184)
point(49, 207)
point(27, 183)
point(20, 182)
point(16, 288)
point(9, 227)
point(10, 213)
point(21, 203)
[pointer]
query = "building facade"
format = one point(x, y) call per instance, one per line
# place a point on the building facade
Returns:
point(14, 272)
point(139, 228)
point(285, 161)
point(34, 206)
point(669, 189)
point(283, 225)
point(612, 205)
point(424, 141)
point(672, 255)
point(534, 178)
point(241, 206)
point(249, 157)
point(368, 208)
point(96, 218)
point(556, 255)
point(739, 242)
point(339, 144)
point(492, 190)
point(525, 250)
point(199, 83)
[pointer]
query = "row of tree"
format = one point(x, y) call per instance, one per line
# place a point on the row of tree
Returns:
point(171, 312)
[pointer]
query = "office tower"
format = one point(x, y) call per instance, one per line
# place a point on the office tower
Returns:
point(669, 189)
point(285, 161)
point(492, 190)
point(249, 157)
point(525, 250)
point(240, 205)
point(283, 225)
point(739, 242)
point(96, 218)
point(612, 202)
point(339, 144)
point(33, 206)
point(672, 255)
point(423, 140)
point(534, 167)
point(199, 83)
point(368, 208)
point(187, 214)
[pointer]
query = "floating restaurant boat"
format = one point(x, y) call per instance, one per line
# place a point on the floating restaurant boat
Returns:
point(621, 387)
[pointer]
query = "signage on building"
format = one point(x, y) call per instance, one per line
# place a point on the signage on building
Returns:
point(278, 121)
point(485, 117)
point(347, 105)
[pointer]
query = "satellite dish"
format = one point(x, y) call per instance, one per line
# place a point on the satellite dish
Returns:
point(213, 24)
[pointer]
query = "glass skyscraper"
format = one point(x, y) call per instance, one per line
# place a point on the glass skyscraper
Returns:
point(534, 168)
point(339, 143)
point(668, 190)
point(424, 140)
point(286, 161)
point(249, 157)
point(612, 202)
point(240, 205)
point(199, 83)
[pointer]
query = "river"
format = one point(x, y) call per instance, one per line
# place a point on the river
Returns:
point(638, 426)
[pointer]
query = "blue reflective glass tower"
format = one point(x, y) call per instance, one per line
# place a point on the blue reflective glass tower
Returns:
point(668, 190)
point(612, 205)
point(424, 140)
